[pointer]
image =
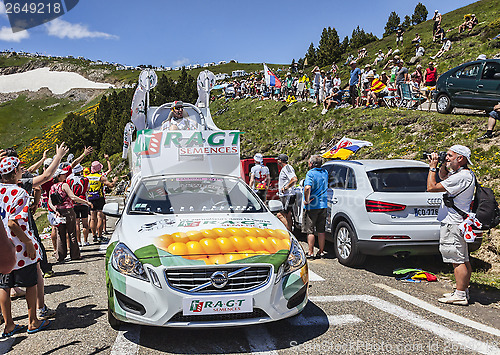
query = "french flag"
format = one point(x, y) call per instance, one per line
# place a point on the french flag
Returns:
point(271, 79)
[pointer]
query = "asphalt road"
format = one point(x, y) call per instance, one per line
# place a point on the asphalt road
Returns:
point(355, 311)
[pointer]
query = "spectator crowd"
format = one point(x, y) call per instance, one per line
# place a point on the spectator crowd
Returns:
point(70, 193)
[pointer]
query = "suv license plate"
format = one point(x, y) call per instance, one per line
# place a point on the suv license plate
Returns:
point(426, 212)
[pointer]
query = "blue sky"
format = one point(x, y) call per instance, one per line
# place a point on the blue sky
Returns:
point(171, 33)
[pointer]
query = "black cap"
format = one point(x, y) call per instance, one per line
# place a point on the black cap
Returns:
point(283, 158)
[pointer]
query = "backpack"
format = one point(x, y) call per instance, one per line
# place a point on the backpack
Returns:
point(484, 205)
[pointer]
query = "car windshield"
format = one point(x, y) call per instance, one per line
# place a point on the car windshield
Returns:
point(193, 194)
point(399, 179)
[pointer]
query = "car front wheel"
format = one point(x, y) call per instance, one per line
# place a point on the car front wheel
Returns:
point(443, 104)
point(346, 249)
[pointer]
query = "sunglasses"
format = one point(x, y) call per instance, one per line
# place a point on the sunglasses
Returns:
point(178, 108)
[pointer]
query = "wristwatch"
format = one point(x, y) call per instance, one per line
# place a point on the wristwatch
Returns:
point(433, 170)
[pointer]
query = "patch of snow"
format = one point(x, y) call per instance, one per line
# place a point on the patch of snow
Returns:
point(57, 82)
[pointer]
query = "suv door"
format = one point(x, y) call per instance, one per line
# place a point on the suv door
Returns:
point(341, 179)
point(462, 85)
point(488, 88)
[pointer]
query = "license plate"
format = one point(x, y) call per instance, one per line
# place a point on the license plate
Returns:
point(426, 212)
point(217, 305)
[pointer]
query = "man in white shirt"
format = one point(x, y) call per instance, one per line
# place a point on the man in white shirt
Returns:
point(177, 121)
point(260, 177)
point(286, 180)
point(458, 182)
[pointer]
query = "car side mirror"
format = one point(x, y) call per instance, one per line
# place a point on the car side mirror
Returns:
point(112, 209)
point(275, 206)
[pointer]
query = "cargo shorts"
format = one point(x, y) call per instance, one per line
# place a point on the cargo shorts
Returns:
point(452, 245)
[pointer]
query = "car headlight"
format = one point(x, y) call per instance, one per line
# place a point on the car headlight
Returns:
point(296, 257)
point(126, 263)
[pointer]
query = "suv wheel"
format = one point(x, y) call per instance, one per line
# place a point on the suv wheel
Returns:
point(443, 104)
point(346, 249)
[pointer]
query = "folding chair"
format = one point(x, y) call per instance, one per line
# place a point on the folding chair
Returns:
point(408, 99)
point(391, 100)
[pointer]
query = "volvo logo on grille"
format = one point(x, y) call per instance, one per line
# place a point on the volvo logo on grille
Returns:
point(219, 279)
point(434, 201)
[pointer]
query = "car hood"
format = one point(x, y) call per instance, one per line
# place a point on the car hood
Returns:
point(176, 240)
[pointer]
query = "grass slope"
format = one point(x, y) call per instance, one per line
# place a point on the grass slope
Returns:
point(465, 47)
point(22, 120)
point(301, 131)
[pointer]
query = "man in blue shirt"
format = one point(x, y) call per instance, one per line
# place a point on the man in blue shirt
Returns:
point(353, 83)
point(315, 202)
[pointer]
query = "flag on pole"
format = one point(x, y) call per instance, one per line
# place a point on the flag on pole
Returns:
point(345, 148)
point(271, 79)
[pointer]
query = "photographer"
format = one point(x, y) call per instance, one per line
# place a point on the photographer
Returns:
point(458, 182)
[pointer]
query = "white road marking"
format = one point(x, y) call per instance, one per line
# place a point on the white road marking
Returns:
point(441, 331)
point(314, 276)
point(260, 340)
point(102, 248)
point(127, 340)
point(302, 320)
point(441, 312)
point(6, 344)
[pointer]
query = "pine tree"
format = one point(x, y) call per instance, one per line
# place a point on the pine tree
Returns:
point(311, 55)
point(329, 47)
point(420, 14)
point(406, 23)
point(360, 38)
point(392, 24)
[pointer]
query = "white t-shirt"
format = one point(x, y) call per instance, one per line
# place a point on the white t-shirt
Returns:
point(261, 172)
point(182, 124)
point(336, 82)
point(454, 184)
point(286, 174)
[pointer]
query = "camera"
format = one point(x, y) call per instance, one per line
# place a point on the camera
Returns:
point(441, 159)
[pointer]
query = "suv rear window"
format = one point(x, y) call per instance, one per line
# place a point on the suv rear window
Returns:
point(399, 179)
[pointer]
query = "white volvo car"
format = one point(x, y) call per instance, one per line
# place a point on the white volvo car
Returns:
point(194, 246)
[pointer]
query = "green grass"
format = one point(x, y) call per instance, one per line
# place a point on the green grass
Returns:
point(301, 131)
point(465, 47)
point(42, 221)
point(22, 119)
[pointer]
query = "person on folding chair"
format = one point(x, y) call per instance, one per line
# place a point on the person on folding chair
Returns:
point(378, 90)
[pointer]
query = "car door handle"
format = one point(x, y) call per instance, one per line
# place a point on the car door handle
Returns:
point(450, 84)
point(335, 200)
point(480, 86)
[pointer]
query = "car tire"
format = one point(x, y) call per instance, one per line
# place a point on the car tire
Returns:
point(113, 322)
point(345, 242)
point(443, 104)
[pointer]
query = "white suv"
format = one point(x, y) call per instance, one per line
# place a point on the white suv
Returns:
point(379, 207)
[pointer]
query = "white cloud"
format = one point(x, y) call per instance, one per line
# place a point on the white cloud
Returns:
point(6, 34)
point(180, 62)
point(63, 29)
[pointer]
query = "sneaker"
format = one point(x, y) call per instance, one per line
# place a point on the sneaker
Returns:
point(324, 111)
point(454, 299)
point(87, 244)
point(45, 313)
point(447, 295)
point(310, 256)
point(320, 255)
point(48, 274)
point(94, 238)
point(485, 136)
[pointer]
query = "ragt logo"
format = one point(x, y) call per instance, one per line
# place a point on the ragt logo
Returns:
point(196, 306)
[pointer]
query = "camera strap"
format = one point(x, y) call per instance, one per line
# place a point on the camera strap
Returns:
point(462, 213)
